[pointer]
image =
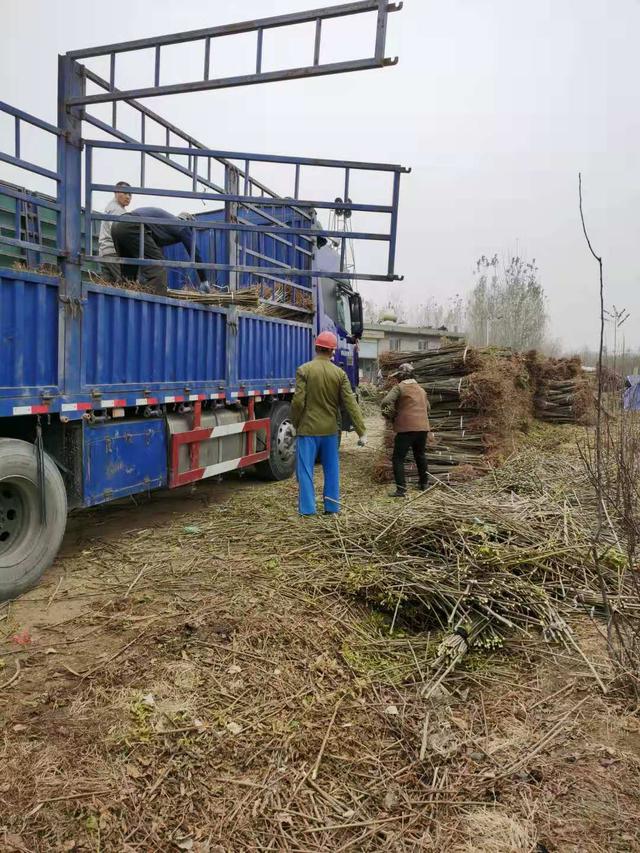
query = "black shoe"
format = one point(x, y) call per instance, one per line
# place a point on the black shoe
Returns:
point(398, 494)
point(423, 487)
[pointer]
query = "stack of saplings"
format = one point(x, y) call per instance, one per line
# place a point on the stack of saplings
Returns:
point(479, 399)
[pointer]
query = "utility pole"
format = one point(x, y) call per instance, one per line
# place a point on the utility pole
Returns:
point(617, 317)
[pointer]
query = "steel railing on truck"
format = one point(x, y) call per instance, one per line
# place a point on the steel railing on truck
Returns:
point(242, 193)
point(27, 223)
point(233, 196)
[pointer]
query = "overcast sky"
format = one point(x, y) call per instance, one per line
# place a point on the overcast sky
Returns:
point(495, 104)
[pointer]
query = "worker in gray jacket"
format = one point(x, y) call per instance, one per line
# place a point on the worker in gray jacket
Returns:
point(407, 407)
point(106, 249)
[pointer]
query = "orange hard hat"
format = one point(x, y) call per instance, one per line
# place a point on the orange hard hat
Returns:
point(327, 340)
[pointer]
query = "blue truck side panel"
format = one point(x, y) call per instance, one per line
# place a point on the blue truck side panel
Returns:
point(123, 458)
point(133, 340)
point(255, 249)
point(134, 345)
point(29, 311)
point(271, 349)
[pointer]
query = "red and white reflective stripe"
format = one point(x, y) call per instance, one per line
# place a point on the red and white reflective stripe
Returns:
point(30, 410)
point(190, 397)
point(230, 429)
point(43, 409)
point(220, 468)
point(225, 429)
point(252, 393)
point(75, 407)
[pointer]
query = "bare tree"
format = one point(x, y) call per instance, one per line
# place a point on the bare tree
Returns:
point(552, 347)
point(434, 314)
point(614, 467)
point(507, 306)
point(370, 310)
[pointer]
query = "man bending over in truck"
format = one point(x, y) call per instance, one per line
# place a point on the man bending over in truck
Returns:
point(116, 207)
point(172, 230)
point(321, 388)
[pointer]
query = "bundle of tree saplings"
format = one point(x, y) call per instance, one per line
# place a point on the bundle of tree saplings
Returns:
point(474, 564)
point(479, 399)
point(247, 297)
point(562, 392)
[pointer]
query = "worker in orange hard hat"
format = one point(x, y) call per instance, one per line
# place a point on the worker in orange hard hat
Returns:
point(321, 389)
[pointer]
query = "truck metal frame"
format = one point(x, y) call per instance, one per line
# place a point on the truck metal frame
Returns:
point(117, 391)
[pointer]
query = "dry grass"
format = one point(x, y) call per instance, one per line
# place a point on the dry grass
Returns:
point(496, 832)
point(185, 690)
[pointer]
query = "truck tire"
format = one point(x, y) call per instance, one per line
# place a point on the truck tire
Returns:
point(27, 545)
point(282, 460)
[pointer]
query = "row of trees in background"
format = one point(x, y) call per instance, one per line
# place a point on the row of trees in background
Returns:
point(625, 362)
point(505, 308)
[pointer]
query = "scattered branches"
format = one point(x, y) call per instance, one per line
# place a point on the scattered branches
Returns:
point(612, 461)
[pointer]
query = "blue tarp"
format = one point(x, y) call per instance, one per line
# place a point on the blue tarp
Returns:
point(632, 393)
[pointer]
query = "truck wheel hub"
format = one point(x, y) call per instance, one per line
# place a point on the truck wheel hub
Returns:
point(285, 444)
point(11, 515)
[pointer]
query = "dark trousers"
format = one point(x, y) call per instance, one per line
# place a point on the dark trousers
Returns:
point(417, 441)
point(126, 239)
point(109, 271)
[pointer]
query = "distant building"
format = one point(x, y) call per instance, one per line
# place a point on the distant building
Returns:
point(391, 336)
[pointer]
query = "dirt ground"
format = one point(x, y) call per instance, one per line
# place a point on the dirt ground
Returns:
point(175, 683)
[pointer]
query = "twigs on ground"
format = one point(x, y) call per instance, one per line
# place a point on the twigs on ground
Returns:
point(14, 677)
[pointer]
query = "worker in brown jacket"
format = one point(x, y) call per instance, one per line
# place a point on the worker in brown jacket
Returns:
point(407, 407)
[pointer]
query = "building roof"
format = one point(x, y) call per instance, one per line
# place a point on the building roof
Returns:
point(417, 331)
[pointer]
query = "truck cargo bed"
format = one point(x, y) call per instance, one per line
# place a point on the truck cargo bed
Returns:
point(135, 348)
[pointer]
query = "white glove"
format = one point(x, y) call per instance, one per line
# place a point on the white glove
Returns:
point(205, 287)
point(292, 431)
point(363, 440)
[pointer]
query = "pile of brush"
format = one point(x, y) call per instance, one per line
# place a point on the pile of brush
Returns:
point(479, 399)
point(562, 392)
point(499, 558)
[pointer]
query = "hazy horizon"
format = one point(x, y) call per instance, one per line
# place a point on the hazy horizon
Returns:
point(495, 105)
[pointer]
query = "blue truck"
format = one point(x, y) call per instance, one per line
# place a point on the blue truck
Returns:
point(108, 391)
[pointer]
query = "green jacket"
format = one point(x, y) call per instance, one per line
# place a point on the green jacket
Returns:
point(321, 388)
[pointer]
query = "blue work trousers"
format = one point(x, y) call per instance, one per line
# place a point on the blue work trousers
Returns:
point(308, 449)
